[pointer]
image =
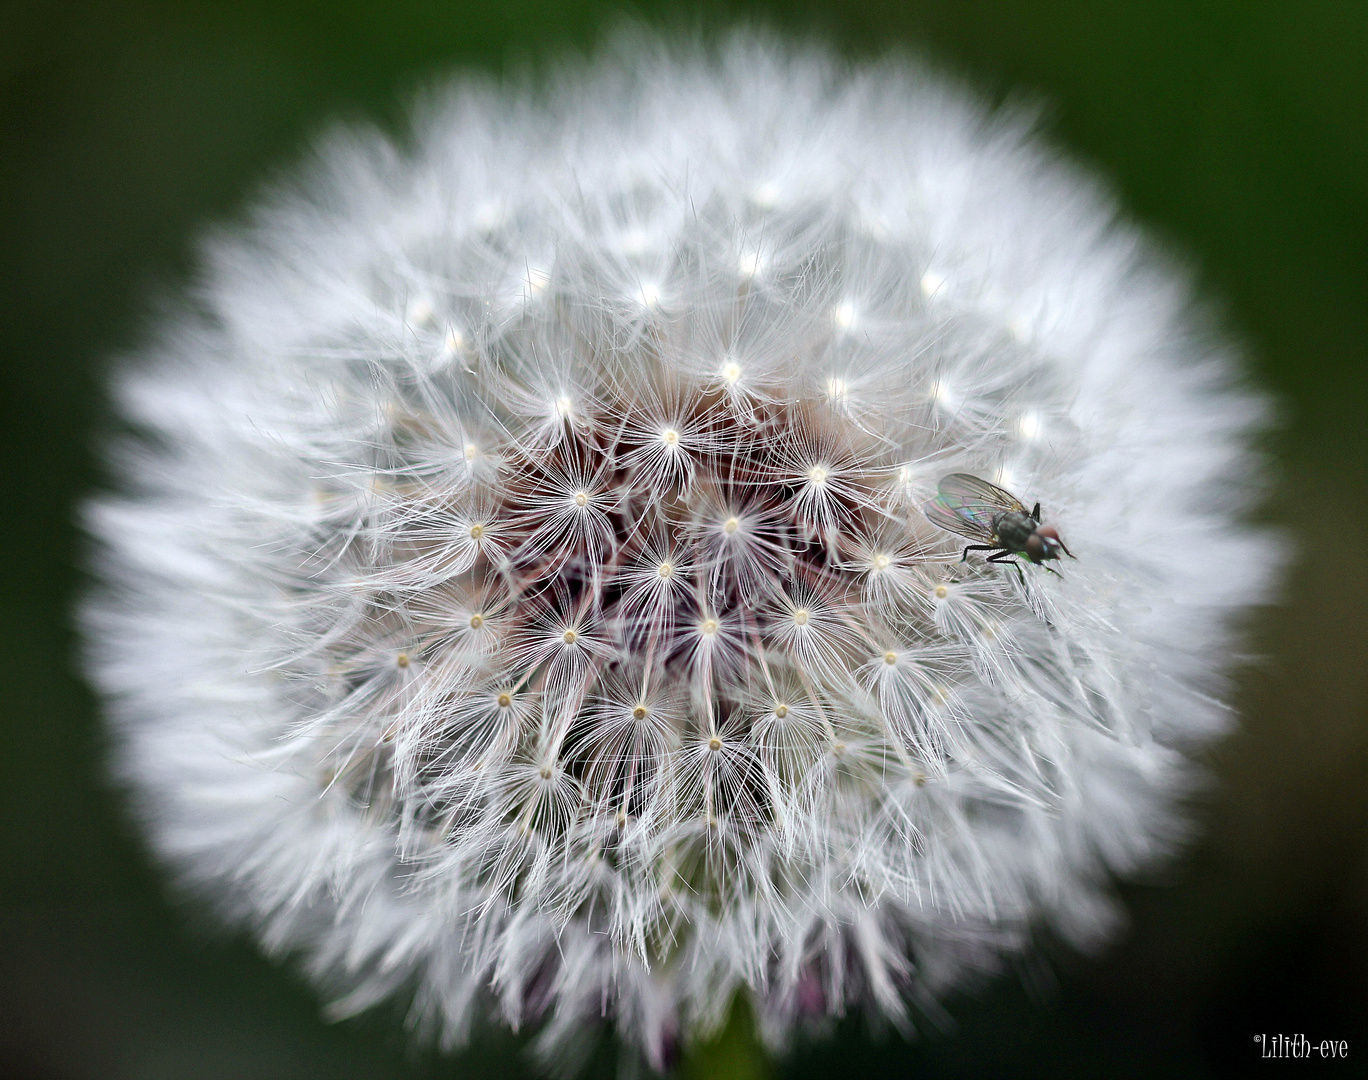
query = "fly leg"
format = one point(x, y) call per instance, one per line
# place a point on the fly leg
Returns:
point(1005, 557)
point(979, 547)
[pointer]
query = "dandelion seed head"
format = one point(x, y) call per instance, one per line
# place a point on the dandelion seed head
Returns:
point(537, 281)
point(1029, 425)
point(634, 242)
point(420, 312)
point(766, 195)
point(609, 665)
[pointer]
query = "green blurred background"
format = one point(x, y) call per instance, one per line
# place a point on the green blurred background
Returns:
point(1238, 132)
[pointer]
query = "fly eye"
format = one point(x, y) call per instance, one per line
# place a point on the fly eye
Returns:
point(1035, 547)
point(1049, 532)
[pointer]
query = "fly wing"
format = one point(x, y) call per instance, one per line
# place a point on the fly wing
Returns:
point(966, 505)
point(950, 520)
point(960, 490)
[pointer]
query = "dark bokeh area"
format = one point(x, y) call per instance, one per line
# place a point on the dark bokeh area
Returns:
point(1238, 132)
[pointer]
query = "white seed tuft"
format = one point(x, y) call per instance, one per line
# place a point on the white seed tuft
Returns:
point(609, 664)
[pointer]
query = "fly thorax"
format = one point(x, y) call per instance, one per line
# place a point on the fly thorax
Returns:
point(1014, 529)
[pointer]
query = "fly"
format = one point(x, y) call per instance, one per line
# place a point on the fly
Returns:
point(978, 510)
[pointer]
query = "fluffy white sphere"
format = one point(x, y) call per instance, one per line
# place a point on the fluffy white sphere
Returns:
point(521, 595)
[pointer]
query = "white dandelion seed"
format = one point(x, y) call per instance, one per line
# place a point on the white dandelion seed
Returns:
point(933, 284)
point(607, 668)
point(750, 264)
point(844, 315)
